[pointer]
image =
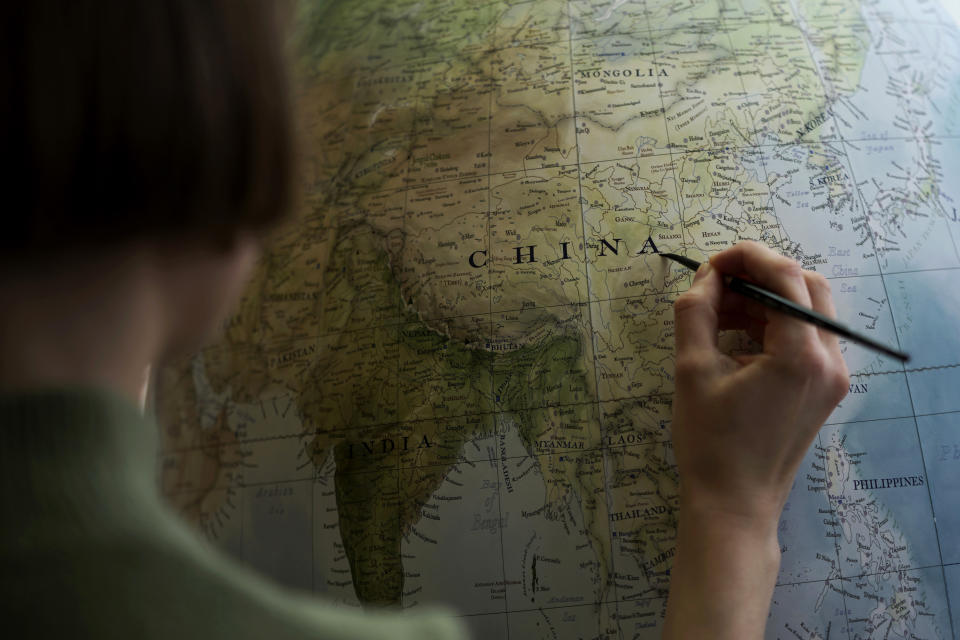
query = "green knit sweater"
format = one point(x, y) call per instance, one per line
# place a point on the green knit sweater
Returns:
point(88, 549)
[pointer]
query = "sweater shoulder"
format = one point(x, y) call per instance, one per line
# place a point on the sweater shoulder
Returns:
point(152, 591)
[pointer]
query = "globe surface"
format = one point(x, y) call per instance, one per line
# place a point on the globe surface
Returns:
point(450, 379)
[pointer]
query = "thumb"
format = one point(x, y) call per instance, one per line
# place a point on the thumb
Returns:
point(696, 312)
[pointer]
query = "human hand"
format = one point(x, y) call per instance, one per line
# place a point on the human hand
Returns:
point(742, 424)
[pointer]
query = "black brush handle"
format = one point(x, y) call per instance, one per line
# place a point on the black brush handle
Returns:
point(779, 303)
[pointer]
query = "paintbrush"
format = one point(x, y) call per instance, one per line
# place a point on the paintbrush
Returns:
point(781, 304)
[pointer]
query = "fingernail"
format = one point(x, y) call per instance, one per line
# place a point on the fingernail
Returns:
point(702, 271)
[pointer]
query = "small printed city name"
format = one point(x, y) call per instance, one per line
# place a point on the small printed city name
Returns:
point(528, 254)
point(888, 483)
point(292, 356)
point(398, 79)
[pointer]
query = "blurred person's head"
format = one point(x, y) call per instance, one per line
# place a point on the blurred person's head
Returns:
point(150, 135)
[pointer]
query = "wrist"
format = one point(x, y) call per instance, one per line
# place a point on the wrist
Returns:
point(755, 529)
point(723, 575)
point(754, 514)
point(743, 541)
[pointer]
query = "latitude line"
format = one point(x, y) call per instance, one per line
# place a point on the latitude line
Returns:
point(344, 433)
point(607, 400)
point(864, 575)
point(569, 304)
point(561, 607)
point(653, 599)
point(905, 18)
point(303, 433)
point(676, 151)
point(434, 465)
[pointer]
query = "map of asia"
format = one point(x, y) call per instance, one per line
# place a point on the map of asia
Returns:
point(449, 381)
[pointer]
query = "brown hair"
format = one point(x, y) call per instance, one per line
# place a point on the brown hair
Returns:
point(129, 118)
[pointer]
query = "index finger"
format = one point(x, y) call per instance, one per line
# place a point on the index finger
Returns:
point(783, 276)
point(766, 268)
point(697, 312)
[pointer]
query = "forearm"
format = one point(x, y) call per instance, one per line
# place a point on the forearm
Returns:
point(741, 425)
point(723, 576)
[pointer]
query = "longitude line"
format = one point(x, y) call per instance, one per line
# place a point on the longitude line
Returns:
point(583, 230)
point(666, 129)
point(497, 423)
point(756, 137)
point(782, 232)
point(916, 425)
point(913, 407)
point(801, 25)
point(834, 540)
point(943, 570)
point(398, 328)
point(242, 488)
point(871, 235)
point(315, 475)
